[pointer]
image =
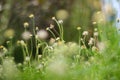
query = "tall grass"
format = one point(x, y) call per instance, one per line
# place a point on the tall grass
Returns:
point(95, 58)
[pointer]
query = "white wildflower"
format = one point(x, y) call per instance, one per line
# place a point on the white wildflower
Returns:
point(95, 33)
point(19, 64)
point(39, 56)
point(60, 21)
point(51, 26)
point(52, 41)
point(26, 35)
point(78, 28)
point(26, 24)
point(27, 58)
point(81, 39)
point(31, 16)
point(42, 34)
point(53, 18)
point(47, 28)
point(94, 22)
point(95, 29)
point(91, 41)
point(21, 42)
point(85, 33)
point(58, 38)
point(37, 28)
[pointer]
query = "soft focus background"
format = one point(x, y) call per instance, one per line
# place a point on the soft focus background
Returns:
point(74, 13)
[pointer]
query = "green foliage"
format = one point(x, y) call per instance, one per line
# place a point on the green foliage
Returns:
point(60, 60)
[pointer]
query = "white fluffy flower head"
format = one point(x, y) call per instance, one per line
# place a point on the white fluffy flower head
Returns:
point(42, 34)
point(85, 33)
point(26, 35)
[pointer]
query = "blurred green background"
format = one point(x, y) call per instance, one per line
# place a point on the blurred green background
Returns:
point(74, 13)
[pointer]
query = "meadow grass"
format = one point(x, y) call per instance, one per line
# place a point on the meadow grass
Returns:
point(93, 57)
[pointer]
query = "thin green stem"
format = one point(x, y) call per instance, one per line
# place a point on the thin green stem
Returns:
point(52, 33)
point(83, 41)
point(56, 32)
point(44, 51)
point(33, 22)
point(62, 32)
point(26, 48)
point(31, 47)
point(79, 41)
point(24, 54)
point(37, 48)
point(58, 25)
point(60, 29)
